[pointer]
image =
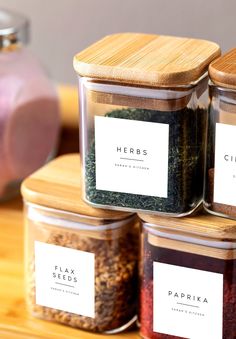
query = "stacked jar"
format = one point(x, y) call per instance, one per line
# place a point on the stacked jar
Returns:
point(188, 278)
point(143, 101)
point(81, 263)
point(143, 118)
point(220, 182)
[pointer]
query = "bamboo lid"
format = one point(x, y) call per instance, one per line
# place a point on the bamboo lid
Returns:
point(188, 247)
point(149, 60)
point(58, 185)
point(222, 71)
point(203, 225)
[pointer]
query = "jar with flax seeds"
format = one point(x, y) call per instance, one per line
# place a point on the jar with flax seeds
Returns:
point(188, 278)
point(220, 175)
point(143, 112)
point(80, 262)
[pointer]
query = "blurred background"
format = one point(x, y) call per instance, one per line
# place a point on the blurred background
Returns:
point(60, 28)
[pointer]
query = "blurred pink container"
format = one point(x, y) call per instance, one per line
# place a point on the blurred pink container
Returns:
point(29, 108)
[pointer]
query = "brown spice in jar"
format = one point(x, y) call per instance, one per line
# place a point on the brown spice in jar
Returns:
point(224, 209)
point(116, 277)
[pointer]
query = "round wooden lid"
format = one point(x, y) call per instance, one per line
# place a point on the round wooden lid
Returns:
point(149, 60)
point(222, 71)
point(58, 185)
point(205, 225)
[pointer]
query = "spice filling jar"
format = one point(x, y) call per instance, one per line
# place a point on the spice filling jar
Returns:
point(142, 111)
point(188, 278)
point(220, 174)
point(80, 263)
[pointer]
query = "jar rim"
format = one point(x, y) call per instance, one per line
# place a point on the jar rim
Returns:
point(202, 225)
point(193, 238)
point(221, 87)
point(14, 28)
point(95, 224)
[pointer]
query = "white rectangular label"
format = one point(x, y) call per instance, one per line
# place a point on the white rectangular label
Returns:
point(187, 302)
point(225, 165)
point(64, 279)
point(131, 156)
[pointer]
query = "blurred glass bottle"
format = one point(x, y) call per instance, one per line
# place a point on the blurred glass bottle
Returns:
point(29, 108)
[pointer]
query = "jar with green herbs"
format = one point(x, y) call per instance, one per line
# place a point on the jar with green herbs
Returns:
point(220, 176)
point(143, 114)
point(81, 263)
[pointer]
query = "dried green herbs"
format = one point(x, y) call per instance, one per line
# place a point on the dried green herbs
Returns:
point(185, 163)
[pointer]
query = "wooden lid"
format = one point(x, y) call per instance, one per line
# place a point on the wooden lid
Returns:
point(58, 185)
point(223, 70)
point(204, 225)
point(143, 59)
point(188, 247)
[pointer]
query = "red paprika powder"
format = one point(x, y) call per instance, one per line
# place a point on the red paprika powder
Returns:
point(188, 278)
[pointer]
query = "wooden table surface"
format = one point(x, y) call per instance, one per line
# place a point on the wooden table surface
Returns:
point(15, 322)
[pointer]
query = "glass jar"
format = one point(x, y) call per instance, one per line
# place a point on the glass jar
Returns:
point(220, 176)
point(188, 278)
point(29, 110)
point(81, 264)
point(143, 121)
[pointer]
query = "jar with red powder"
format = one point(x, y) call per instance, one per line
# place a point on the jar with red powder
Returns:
point(29, 110)
point(188, 278)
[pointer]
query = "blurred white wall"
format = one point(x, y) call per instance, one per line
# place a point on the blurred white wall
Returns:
point(60, 28)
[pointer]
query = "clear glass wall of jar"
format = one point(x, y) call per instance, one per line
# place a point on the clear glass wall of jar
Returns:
point(143, 116)
point(176, 116)
point(80, 274)
point(188, 280)
point(81, 263)
point(220, 174)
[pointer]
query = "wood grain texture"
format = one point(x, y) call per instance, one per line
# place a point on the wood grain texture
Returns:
point(139, 102)
point(222, 71)
point(204, 225)
point(227, 113)
point(149, 60)
point(187, 247)
point(58, 185)
point(15, 322)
